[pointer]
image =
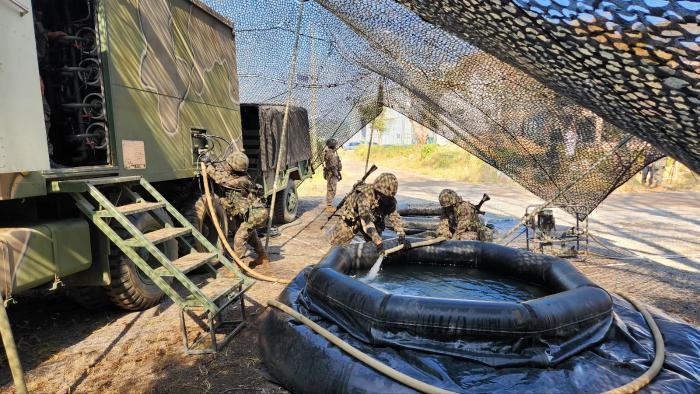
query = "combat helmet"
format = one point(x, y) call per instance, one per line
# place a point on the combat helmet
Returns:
point(387, 184)
point(448, 198)
point(238, 161)
point(332, 143)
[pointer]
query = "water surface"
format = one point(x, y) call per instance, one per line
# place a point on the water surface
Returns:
point(451, 282)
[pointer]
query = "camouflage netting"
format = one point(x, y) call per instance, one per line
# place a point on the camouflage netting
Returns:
point(355, 56)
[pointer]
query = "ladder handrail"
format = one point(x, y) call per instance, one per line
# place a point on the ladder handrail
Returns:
point(152, 249)
point(202, 239)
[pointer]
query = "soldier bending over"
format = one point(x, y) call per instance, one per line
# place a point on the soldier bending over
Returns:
point(460, 219)
point(243, 202)
point(365, 211)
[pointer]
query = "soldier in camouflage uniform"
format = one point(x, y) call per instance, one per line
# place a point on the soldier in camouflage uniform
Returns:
point(365, 212)
point(460, 219)
point(332, 166)
point(243, 203)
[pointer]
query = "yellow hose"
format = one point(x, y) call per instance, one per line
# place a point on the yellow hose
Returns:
point(656, 365)
point(377, 365)
point(631, 387)
point(252, 273)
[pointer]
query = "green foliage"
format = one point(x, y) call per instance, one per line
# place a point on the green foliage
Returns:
point(441, 162)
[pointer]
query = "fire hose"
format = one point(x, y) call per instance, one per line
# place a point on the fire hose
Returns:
point(224, 240)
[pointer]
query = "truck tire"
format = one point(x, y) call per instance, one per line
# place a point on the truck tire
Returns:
point(197, 213)
point(286, 204)
point(131, 289)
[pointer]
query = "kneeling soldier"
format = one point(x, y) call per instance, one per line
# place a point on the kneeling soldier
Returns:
point(243, 202)
point(460, 219)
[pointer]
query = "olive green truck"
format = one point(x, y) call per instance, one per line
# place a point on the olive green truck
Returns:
point(107, 108)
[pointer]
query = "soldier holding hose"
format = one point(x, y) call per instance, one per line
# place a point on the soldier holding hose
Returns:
point(243, 202)
point(365, 211)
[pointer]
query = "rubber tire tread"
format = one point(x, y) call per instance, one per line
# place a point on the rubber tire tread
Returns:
point(127, 290)
point(281, 215)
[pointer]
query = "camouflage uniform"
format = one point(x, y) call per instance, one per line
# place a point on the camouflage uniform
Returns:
point(365, 212)
point(459, 220)
point(332, 166)
point(242, 202)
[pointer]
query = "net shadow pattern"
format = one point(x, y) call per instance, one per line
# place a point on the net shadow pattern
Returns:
point(355, 57)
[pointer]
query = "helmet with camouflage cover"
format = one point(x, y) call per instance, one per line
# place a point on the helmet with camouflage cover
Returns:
point(238, 161)
point(448, 198)
point(332, 143)
point(387, 184)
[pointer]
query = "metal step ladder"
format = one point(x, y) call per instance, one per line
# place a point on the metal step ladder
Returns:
point(203, 306)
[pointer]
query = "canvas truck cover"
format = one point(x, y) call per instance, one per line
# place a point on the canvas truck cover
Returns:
point(298, 140)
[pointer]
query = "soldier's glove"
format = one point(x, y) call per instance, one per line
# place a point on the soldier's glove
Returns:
point(380, 247)
point(404, 242)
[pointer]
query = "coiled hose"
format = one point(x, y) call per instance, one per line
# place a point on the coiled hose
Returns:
point(212, 213)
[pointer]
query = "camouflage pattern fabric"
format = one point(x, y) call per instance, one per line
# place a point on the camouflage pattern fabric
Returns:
point(332, 166)
point(242, 204)
point(256, 218)
point(364, 213)
point(459, 222)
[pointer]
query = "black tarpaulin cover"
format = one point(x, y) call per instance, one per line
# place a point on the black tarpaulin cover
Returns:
point(298, 142)
point(303, 361)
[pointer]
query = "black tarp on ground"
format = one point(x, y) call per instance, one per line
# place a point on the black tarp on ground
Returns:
point(298, 140)
point(302, 361)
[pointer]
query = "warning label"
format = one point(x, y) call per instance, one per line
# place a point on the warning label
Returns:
point(133, 155)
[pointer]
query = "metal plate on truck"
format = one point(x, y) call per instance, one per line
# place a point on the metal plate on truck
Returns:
point(134, 154)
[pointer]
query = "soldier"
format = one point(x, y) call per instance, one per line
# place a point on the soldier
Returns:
point(332, 166)
point(243, 202)
point(460, 219)
point(365, 211)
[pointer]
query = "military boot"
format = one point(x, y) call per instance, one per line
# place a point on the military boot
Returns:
point(262, 258)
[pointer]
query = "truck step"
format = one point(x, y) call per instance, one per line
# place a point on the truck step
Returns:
point(160, 235)
point(138, 207)
point(188, 263)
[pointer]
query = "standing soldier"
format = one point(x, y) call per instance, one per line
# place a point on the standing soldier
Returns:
point(365, 211)
point(243, 202)
point(332, 167)
point(460, 219)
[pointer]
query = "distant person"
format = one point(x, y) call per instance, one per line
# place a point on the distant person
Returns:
point(366, 210)
point(243, 201)
point(332, 167)
point(648, 173)
point(460, 219)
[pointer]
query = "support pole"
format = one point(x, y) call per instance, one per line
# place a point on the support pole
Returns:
point(369, 147)
point(8, 341)
point(281, 151)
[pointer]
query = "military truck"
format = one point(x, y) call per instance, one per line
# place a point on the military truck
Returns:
point(107, 108)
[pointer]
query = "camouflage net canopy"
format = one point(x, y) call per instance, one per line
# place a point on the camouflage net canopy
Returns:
point(356, 56)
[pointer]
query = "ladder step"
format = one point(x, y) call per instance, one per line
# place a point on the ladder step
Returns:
point(188, 263)
point(160, 235)
point(139, 207)
point(222, 297)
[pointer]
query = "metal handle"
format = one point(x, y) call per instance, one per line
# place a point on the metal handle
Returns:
point(24, 10)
